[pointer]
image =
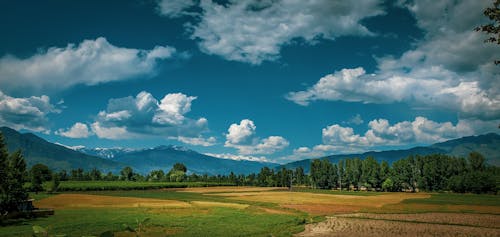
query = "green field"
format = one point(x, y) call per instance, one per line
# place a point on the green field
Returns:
point(252, 211)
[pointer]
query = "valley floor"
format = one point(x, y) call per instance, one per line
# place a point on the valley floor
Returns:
point(254, 211)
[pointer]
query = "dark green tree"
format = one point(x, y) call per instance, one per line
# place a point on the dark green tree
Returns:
point(156, 175)
point(127, 173)
point(4, 167)
point(39, 173)
point(180, 167)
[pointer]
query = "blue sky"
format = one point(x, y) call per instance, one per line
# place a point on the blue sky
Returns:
point(260, 80)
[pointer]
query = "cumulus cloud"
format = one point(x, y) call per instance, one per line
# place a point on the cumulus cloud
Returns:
point(144, 115)
point(174, 8)
point(89, 63)
point(432, 87)
point(238, 157)
point(450, 68)
point(28, 113)
point(343, 140)
point(243, 137)
point(78, 130)
point(420, 130)
point(254, 31)
point(242, 133)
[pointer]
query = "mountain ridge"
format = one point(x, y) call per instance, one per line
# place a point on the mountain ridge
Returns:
point(486, 144)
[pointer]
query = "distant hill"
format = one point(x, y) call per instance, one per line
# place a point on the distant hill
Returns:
point(37, 150)
point(164, 157)
point(58, 157)
point(488, 145)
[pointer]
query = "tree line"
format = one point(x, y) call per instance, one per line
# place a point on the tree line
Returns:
point(415, 173)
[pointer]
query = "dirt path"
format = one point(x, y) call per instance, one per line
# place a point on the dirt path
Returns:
point(345, 226)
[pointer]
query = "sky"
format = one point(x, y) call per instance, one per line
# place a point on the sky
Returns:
point(264, 80)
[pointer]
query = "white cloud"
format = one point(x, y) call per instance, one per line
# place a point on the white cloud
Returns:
point(356, 120)
point(28, 113)
point(198, 141)
point(238, 157)
point(432, 87)
point(243, 137)
point(253, 31)
point(89, 63)
point(172, 108)
point(174, 8)
point(450, 68)
point(343, 140)
point(242, 133)
point(110, 132)
point(78, 130)
point(143, 115)
point(421, 130)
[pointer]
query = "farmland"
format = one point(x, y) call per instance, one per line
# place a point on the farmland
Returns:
point(255, 211)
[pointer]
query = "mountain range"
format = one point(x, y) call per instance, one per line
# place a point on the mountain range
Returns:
point(58, 157)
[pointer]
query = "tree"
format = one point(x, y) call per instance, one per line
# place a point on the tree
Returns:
point(177, 173)
point(388, 185)
point(493, 28)
point(180, 167)
point(156, 175)
point(476, 161)
point(12, 176)
point(95, 174)
point(299, 175)
point(127, 173)
point(39, 174)
point(4, 157)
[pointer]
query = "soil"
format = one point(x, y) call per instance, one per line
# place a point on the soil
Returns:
point(344, 226)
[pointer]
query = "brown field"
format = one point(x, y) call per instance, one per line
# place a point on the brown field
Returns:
point(68, 201)
point(322, 204)
point(470, 219)
point(343, 226)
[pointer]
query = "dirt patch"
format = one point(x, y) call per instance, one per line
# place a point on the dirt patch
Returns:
point(339, 226)
point(219, 204)
point(316, 203)
point(226, 189)
point(68, 201)
point(481, 220)
point(418, 207)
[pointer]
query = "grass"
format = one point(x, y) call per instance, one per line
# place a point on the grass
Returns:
point(213, 221)
point(40, 195)
point(129, 185)
point(458, 199)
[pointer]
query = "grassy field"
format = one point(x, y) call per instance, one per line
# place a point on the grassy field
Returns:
point(253, 211)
